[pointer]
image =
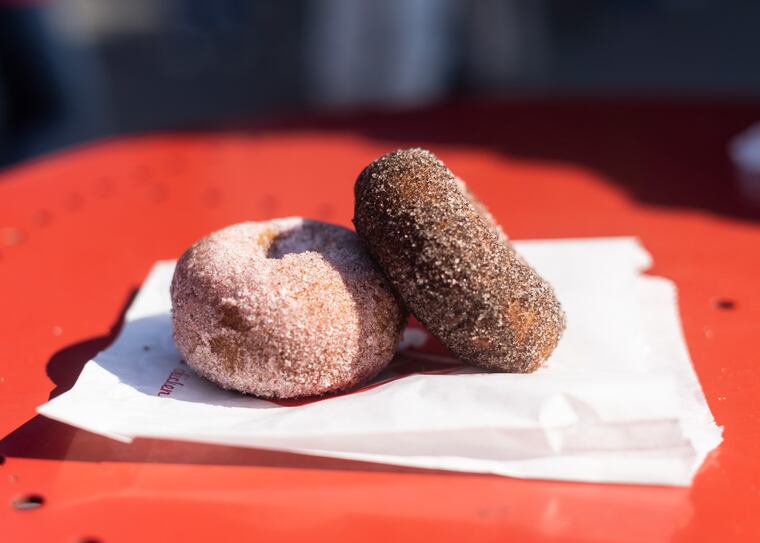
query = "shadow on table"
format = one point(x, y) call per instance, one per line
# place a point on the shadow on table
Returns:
point(43, 438)
point(662, 153)
point(64, 367)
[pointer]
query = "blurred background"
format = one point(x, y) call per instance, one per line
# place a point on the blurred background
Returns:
point(75, 70)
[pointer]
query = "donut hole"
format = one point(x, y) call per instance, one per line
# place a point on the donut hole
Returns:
point(293, 241)
point(303, 238)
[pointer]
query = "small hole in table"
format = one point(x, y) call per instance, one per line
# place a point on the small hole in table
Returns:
point(725, 304)
point(28, 502)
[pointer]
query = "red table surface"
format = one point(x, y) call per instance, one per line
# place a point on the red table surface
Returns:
point(80, 230)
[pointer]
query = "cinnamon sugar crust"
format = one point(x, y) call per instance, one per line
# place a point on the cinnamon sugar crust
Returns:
point(284, 309)
point(452, 266)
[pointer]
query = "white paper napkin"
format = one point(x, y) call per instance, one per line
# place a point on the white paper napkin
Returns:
point(617, 402)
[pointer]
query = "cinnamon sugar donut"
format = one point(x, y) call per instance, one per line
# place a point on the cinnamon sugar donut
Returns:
point(452, 265)
point(284, 309)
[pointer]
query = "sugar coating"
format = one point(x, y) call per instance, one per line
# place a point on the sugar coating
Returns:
point(481, 209)
point(284, 309)
point(452, 266)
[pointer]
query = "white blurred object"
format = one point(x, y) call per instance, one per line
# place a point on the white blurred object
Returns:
point(390, 52)
point(618, 401)
point(744, 151)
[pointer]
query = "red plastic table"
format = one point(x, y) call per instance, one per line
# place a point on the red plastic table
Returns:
point(80, 230)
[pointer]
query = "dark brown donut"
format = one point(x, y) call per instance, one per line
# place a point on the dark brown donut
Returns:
point(447, 261)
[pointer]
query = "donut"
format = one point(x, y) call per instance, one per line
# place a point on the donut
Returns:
point(287, 308)
point(452, 266)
